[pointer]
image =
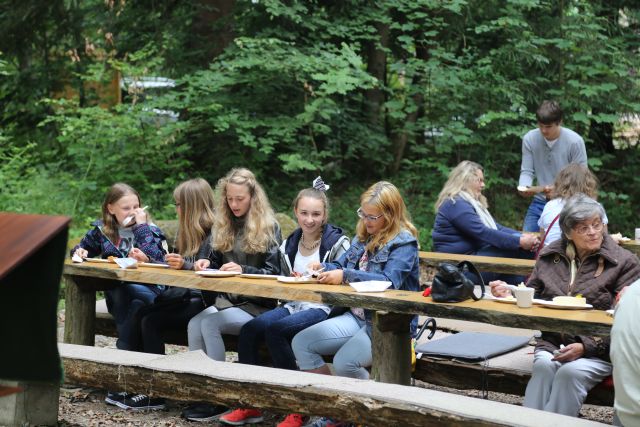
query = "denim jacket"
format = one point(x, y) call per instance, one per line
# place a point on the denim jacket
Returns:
point(397, 262)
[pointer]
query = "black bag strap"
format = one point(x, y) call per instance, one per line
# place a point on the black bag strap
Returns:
point(472, 268)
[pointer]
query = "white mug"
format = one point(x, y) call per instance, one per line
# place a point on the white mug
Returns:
point(524, 296)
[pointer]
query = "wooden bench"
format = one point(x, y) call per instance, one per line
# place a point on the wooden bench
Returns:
point(483, 263)
point(446, 373)
point(194, 377)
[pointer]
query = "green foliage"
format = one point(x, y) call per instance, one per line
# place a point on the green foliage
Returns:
point(356, 91)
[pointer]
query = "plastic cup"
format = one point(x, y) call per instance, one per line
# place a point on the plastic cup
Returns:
point(637, 234)
point(524, 297)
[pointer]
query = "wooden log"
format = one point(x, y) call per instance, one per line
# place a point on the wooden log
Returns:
point(194, 377)
point(442, 372)
point(80, 306)
point(391, 348)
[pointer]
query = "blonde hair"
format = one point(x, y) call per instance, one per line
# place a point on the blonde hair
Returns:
point(109, 222)
point(387, 199)
point(197, 205)
point(574, 179)
point(459, 180)
point(260, 221)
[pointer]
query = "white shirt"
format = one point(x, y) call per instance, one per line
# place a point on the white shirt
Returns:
point(300, 266)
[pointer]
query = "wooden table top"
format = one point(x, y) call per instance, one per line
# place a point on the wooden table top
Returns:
point(632, 245)
point(592, 322)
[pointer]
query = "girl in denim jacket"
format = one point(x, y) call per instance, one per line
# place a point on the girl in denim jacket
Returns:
point(385, 248)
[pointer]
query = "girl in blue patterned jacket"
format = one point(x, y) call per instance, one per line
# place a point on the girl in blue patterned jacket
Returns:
point(138, 239)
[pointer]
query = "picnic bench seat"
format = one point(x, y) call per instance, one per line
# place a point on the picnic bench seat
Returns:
point(483, 263)
point(499, 375)
point(192, 376)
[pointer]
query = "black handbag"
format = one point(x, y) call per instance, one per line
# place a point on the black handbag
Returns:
point(451, 285)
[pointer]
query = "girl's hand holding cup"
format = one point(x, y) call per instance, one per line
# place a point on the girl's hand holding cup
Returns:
point(175, 261)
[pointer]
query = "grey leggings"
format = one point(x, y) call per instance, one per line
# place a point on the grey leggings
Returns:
point(206, 328)
point(562, 387)
point(345, 336)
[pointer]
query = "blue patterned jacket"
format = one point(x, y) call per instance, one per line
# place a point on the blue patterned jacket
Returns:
point(147, 237)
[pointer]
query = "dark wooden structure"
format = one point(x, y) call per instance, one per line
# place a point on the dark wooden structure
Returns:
point(33, 250)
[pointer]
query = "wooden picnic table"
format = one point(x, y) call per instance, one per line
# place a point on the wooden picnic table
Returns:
point(394, 308)
point(632, 245)
point(482, 263)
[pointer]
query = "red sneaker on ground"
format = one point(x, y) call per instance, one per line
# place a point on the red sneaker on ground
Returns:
point(292, 420)
point(239, 417)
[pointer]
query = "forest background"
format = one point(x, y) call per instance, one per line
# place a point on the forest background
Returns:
point(355, 91)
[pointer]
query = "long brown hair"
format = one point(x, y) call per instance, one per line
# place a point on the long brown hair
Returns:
point(197, 205)
point(110, 224)
point(387, 199)
point(260, 222)
point(574, 179)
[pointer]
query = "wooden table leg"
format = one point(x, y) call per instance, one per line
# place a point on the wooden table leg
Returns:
point(80, 313)
point(391, 347)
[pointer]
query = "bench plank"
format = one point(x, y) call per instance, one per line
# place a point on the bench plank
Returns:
point(483, 263)
point(193, 376)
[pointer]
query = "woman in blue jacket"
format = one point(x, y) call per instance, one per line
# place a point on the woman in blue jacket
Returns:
point(464, 225)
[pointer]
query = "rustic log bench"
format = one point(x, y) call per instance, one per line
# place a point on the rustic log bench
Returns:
point(441, 372)
point(194, 377)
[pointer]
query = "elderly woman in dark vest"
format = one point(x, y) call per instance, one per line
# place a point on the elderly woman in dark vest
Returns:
point(587, 262)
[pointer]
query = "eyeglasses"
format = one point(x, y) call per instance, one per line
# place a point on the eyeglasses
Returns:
point(364, 216)
point(177, 205)
point(584, 229)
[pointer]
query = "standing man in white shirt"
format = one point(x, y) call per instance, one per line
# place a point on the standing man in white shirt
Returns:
point(545, 152)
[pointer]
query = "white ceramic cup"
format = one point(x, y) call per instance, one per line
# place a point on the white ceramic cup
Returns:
point(524, 297)
point(637, 233)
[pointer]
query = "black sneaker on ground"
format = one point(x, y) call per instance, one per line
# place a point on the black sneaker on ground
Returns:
point(203, 412)
point(113, 397)
point(141, 402)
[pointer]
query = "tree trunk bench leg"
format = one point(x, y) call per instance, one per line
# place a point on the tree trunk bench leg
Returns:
point(80, 313)
point(391, 348)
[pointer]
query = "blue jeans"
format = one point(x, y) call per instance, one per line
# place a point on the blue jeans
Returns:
point(533, 214)
point(277, 327)
point(123, 302)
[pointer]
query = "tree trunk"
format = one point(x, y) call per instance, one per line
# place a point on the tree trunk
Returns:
point(213, 27)
point(377, 67)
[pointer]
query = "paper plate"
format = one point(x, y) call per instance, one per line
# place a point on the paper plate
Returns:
point(259, 276)
point(370, 286)
point(551, 304)
point(297, 280)
point(217, 273)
